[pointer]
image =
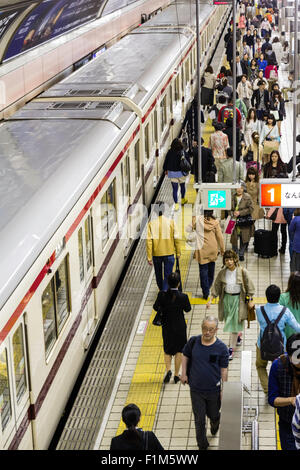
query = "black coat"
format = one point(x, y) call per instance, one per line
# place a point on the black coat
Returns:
point(271, 58)
point(122, 442)
point(245, 66)
point(229, 49)
point(172, 161)
point(208, 163)
point(255, 100)
point(173, 322)
point(249, 40)
point(290, 163)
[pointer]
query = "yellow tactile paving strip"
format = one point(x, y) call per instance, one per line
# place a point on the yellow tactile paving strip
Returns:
point(148, 376)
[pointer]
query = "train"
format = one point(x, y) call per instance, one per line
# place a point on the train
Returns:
point(75, 161)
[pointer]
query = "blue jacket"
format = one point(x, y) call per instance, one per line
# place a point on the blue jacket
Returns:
point(272, 311)
point(294, 232)
point(262, 65)
point(288, 213)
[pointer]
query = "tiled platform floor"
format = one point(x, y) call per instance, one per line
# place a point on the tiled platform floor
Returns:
point(174, 424)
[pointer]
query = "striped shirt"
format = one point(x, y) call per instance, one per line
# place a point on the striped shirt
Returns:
point(296, 423)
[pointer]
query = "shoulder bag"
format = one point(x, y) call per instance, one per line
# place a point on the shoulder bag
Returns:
point(273, 215)
point(185, 166)
point(249, 156)
point(270, 145)
point(251, 310)
point(244, 221)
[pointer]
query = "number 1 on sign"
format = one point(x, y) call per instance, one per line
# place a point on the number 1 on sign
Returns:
point(272, 192)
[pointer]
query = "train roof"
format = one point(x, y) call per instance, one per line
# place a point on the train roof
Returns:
point(45, 166)
point(182, 13)
point(138, 63)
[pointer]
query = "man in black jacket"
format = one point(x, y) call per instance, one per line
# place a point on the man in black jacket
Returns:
point(261, 100)
point(249, 39)
point(208, 162)
point(245, 64)
point(229, 132)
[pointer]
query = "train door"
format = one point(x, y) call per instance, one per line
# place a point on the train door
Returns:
point(14, 384)
point(86, 273)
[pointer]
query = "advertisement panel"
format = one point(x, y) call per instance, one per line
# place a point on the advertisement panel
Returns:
point(51, 19)
point(7, 17)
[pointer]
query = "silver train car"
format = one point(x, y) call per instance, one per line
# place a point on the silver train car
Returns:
point(74, 162)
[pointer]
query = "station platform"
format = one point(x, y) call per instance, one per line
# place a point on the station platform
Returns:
point(166, 408)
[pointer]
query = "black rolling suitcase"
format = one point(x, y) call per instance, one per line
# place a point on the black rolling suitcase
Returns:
point(265, 243)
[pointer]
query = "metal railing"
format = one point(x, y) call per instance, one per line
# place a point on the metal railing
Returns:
point(236, 417)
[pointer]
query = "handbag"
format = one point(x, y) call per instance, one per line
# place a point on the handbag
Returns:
point(270, 145)
point(251, 316)
point(244, 221)
point(191, 237)
point(185, 166)
point(274, 214)
point(230, 226)
point(249, 156)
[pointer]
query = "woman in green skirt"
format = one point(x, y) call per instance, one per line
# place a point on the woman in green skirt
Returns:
point(291, 300)
point(232, 286)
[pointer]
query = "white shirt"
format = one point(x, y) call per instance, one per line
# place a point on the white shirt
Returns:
point(231, 286)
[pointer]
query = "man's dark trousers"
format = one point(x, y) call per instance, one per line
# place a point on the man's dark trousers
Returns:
point(205, 404)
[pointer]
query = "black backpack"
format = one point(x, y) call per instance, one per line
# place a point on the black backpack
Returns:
point(272, 344)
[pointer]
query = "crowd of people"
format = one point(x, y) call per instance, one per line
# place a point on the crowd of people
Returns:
point(204, 359)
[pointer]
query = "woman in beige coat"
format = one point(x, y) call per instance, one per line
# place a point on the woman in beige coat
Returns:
point(242, 206)
point(252, 183)
point(209, 243)
point(232, 286)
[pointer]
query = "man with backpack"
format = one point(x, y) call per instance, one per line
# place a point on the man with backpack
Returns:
point(204, 368)
point(271, 342)
point(284, 386)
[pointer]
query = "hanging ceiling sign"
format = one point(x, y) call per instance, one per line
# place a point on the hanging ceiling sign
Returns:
point(50, 19)
point(279, 194)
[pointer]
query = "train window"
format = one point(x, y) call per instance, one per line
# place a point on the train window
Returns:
point(137, 161)
point(108, 213)
point(171, 99)
point(80, 254)
point(147, 142)
point(163, 113)
point(48, 317)
point(182, 80)
point(62, 294)
point(88, 242)
point(19, 363)
point(5, 400)
point(155, 125)
point(191, 62)
point(187, 71)
point(177, 92)
point(55, 305)
point(126, 177)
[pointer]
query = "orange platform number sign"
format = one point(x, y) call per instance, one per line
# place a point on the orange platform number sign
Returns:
point(270, 195)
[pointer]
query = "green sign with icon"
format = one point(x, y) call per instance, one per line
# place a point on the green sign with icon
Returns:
point(216, 199)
